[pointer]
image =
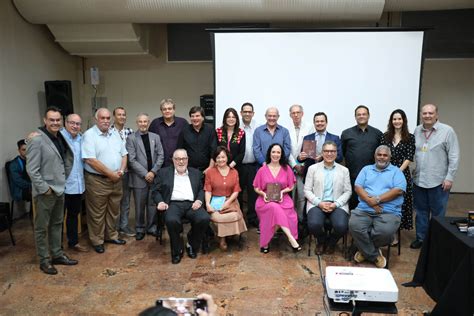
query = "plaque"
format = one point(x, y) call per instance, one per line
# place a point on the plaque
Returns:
point(309, 147)
point(273, 192)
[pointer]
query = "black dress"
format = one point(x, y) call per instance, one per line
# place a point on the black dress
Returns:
point(403, 151)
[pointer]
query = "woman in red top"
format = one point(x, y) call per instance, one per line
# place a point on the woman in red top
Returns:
point(223, 182)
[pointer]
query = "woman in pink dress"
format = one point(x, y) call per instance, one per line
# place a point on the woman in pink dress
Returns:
point(276, 214)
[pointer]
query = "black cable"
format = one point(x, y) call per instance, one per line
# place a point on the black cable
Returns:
point(323, 282)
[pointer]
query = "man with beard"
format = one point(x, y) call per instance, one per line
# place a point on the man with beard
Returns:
point(375, 220)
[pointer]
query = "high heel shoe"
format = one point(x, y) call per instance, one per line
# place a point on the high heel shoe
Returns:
point(297, 248)
point(264, 249)
point(223, 244)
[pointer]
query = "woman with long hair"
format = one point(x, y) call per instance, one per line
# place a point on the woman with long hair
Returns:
point(276, 213)
point(402, 145)
point(232, 137)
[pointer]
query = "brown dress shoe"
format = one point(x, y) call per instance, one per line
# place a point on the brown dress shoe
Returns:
point(320, 249)
point(79, 248)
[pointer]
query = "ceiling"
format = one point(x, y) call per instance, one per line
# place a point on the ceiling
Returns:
point(122, 27)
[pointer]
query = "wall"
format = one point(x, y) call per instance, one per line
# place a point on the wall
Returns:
point(28, 57)
point(449, 84)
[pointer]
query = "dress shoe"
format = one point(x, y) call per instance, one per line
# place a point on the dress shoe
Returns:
point(222, 244)
point(416, 244)
point(64, 260)
point(140, 236)
point(48, 268)
point(330, 249)
point(175, 259)
point(115, 241)
point(190, 252)
point(79, 248)
point(265, 250)
point(153, 233)
point(320, 249)
point(99, 248)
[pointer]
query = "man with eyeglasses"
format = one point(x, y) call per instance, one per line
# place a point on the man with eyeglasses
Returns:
point(49, 162)
point(75, 185)
point(179, 191)
point(327, 189)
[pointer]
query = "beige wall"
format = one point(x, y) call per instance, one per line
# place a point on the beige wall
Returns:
point(450, 85)
point(28, 57)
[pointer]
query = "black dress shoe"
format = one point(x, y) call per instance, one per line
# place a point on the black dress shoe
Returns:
point(116, 241)
point(190, 252)
point(416, 244)
point(139, 236)
point(64, 260)
point(99, 248)
point(48, 268)
point(176, 259)
point(320, 249)
point(154, 234)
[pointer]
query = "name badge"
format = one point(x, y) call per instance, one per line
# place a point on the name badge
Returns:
point(424, 148)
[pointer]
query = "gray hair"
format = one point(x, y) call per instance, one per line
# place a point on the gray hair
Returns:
point(300, 106)
point(180, 150)
point(385, 148)
point(96, 115)
point(143, 114)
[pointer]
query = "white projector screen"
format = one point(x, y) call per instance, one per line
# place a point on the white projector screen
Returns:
point(323, 71)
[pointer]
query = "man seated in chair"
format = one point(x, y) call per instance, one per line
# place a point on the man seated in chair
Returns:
point(179, 191)
point(377, 217)
point(327, 189)
point(20, 183)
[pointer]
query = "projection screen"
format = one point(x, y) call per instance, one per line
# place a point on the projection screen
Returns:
point(324, 71)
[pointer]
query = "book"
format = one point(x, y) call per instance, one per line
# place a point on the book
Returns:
point(217, 202)
point(273, 192)
point(309, 147)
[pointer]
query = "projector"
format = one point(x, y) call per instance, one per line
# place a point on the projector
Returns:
point(345, 284)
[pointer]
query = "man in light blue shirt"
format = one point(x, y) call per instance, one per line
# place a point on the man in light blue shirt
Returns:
point(106, 158)
point(376, 218)
point(75, 182)
point(268, 134)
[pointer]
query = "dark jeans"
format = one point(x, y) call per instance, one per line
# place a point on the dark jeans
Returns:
point(434, 201)
point(247, 172)
point(72, 205)
point(339, 222)
point(199, 220)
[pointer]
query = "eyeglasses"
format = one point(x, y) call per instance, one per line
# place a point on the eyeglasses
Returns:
point(180, 158)
point(74, 123)
point(329, 151)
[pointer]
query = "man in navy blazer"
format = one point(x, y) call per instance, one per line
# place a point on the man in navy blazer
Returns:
point(179, 191)
point(321, 136)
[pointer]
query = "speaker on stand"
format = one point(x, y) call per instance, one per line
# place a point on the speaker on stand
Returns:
point(59, 94)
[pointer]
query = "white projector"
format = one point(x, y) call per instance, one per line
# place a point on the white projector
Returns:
point(345, 284)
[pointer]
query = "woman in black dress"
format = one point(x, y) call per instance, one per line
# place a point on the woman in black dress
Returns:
point(402, 145)
point(232, 137)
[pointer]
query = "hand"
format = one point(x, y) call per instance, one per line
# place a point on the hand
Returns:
point(232, 164)
point(149, 177)
point(299, 169)
point(211, 306)
point(162, 206)
point(196, 205)
point(32, 135)
point(325, 206)
point(302, 156)
point(265, 198)
point(281, 196)
point(372, 201)
point(114, 176)
point(447, 185)
point(49, 192)
point(378, 209)
point(210, 209)
point(319, 158)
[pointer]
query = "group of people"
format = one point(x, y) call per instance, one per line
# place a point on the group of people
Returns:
point(195, 173)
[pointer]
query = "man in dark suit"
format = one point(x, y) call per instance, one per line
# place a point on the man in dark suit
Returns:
point(178, 191)
point(49, 162)
point(321, 136)
point(145, 157)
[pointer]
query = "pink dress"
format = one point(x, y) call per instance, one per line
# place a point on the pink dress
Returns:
point(273, 213)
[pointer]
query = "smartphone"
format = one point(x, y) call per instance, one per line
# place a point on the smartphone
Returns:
point(183, 306)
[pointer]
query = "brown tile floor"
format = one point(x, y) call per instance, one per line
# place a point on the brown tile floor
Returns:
point(127, 279)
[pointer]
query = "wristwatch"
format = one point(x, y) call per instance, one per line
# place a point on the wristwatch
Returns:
point(377, 199)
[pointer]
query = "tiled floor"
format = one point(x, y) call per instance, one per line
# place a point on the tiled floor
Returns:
point(127, 279)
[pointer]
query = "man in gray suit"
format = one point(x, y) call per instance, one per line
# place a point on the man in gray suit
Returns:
point(49, 162)
point(145, 157)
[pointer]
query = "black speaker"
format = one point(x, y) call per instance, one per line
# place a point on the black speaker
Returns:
point(59, 94)
point(207, 103)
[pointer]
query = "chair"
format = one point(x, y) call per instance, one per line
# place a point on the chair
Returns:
point(6, 220)
point(12, 203)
